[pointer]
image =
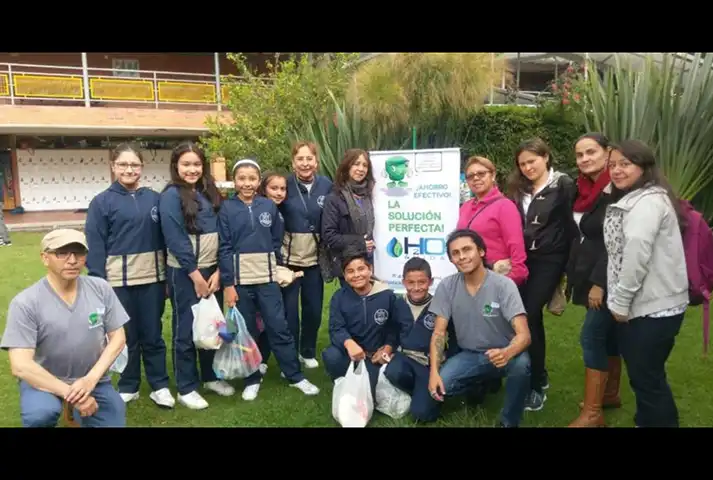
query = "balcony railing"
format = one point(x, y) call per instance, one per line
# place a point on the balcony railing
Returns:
point(42, 84)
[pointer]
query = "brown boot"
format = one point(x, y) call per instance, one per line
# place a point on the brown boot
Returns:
point(611, 392)
point(591, 414)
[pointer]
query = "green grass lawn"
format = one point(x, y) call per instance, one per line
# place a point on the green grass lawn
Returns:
point(279, 405)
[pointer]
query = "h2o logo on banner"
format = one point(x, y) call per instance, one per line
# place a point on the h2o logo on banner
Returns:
point(422, 246)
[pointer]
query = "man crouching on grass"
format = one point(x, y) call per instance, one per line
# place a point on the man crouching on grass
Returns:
point(491, 329)
point(56, 335)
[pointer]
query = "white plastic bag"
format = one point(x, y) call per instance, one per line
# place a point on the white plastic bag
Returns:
point(207, 320)
point(352, 403)
point(241, 357)
point(390, 400)
point(121, 361)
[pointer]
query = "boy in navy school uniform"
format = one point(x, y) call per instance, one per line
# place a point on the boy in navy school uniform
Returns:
point(366, 320)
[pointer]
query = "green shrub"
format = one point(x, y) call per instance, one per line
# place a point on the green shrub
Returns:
point(495, 133)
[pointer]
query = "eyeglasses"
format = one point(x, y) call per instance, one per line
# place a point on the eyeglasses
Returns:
point(474, 175)
point(125, 165)
point(65, 254)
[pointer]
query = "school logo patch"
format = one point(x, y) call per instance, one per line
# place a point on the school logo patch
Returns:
point(265, 219)
point(96, 319)
point(282, 219)
point(429, 321)
point(320, 201)
point(491, 309)
point(381, 316)
point(154, 214)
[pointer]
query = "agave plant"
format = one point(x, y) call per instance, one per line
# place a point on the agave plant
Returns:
point(668, 105)
point(335, 133)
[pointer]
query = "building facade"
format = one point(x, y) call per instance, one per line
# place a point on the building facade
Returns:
point(62, 113)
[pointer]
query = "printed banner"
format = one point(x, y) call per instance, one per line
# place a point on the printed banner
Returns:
point(417, 199)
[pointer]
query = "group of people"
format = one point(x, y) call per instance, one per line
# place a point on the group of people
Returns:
point(269, 249)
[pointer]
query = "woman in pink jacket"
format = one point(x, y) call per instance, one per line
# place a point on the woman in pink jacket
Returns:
point(495, 218)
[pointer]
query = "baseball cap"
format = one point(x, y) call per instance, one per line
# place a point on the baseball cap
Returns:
point(62, 237)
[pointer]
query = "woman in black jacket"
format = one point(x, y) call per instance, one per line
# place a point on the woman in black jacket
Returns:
point(544, 197)
point(587, 281)
point(348, 214)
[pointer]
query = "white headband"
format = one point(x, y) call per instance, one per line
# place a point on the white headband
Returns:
point(246, 161)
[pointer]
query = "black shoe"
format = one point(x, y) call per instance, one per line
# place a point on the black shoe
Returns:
point(545, 381)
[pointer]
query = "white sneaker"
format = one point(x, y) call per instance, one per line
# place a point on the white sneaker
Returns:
point(306, 387)
point(163, 398)
point(220, 387)
point(309, 362)
point(128, 397)
point(250, 392)
point(263, 368)
point(193, 400)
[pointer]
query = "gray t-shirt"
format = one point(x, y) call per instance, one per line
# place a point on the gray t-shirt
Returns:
point(68, 340)
point(483, 321)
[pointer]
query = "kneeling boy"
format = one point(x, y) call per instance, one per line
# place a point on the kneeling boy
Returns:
point(408, 369)
point(366, 319)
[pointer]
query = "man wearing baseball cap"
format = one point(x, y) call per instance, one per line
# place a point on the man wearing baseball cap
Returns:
point(56, 336)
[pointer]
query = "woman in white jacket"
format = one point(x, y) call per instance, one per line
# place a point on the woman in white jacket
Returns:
point(646, 276)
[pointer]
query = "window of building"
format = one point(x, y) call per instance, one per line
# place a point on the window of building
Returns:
point(125, 67)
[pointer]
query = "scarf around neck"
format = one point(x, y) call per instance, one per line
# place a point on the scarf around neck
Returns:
point(362, 216)
point(588, 191)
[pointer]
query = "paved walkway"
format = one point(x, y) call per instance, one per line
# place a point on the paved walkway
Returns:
point(44, 221)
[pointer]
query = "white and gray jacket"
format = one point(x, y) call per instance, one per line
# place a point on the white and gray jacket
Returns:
point(646, 271)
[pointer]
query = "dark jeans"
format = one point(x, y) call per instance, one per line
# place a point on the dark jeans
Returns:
point(646, 344)
point(309, 292)
point(459, 372)
point(412, 377)
point(545, 275)
point(145, 305)
point(336, 362)
point(267, 298)
point(185, 355)
point(599, 338)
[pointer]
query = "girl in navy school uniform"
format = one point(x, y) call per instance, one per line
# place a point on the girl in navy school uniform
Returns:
point(188, 209)
point(249, 254)
point(274, 187)
point(126, 248)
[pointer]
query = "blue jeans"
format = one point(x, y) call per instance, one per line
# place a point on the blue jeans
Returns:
point(599, 338)
point(42, 409)
point(460, 371)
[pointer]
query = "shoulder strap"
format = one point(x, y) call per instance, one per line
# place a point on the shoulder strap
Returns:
point(485, 205)
point(312, 225)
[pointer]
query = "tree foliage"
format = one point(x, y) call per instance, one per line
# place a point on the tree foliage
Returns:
point(265, 108)
point(669, 106)
point(403, 90)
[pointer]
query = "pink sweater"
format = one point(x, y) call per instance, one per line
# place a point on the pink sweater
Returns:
point(500, 225)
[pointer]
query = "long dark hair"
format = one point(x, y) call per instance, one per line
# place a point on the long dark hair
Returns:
point(342, 178)
point(517, 182)
point(206, 186)
point(641, 155)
